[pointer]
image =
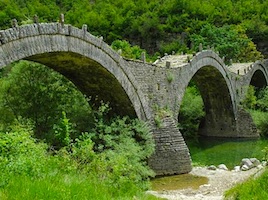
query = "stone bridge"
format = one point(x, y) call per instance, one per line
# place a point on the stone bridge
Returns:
point(151, 92)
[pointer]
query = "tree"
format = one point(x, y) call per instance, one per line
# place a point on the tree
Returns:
point(35, 93)
point(230, 41)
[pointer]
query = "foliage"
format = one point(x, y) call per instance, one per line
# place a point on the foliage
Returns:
point(256, 103)
point(250, 100)
point(254, 188)
point(128, 51)
point(260, 119)
point(230, 41)
point(265, 151)
point(116, 165)
point(122, 141)
point(157, 26)
point(191, 112)
point(170, 77)
point(40, 97)
point(262, 100)
point(20, 154)
point(175, 46)
point(62, 132)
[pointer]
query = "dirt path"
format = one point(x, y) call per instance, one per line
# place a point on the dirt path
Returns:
point(219, 181)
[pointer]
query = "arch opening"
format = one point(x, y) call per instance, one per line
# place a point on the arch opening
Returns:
point(91, 78)
point(219, 118)
point(258, 80)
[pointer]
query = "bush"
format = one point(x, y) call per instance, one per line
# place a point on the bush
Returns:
point(250, 100)
point(21, 154)
point(128, 51)
point(258, 107)
point(191, 112)
point(262, 100)
point(260, 119)
point(122, 145)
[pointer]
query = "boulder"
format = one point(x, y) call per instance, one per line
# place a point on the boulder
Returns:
point(259, 167)
point(237, 168)
point(244, 168)
point(223, 167)
point(255, 161)
point(212, 167)
point(247, 162)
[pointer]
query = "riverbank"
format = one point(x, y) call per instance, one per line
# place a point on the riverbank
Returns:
point(219, 182)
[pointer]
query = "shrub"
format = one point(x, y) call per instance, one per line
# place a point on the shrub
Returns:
point(128, 51)
point(117, 149)
point(250, 100)
point(21, 154)
point(191, 112)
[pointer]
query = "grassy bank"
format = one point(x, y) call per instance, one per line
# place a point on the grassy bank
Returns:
point(65, 186)
point(254, 188)
point(31, 169)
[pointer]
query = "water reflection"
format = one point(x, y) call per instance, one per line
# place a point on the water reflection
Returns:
point(177, 182)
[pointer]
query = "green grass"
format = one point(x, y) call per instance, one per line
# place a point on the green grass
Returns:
point(216, 151)
point(256, 189)
point(67, 186)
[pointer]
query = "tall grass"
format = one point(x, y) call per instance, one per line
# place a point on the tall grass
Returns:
point(67, 186)
point(256, 189)
point(76, 171)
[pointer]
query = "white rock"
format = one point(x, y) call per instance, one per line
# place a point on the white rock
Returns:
point(212, 167)
point(247, 162)
point(223, 167)
point(255, 161)
point(259, 167)
point(244, 168)
point(237, 168)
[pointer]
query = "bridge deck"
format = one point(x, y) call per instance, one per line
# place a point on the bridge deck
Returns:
point(240, 68)
point(175, 61)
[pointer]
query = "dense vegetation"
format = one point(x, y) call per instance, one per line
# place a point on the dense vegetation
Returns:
point(158, 25)
point(54, 142)
point(191, 112)
point(116, 171)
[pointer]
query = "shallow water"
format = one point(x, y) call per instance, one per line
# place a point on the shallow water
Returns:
point(207, 151)
point(177, 182)
point(229, 151)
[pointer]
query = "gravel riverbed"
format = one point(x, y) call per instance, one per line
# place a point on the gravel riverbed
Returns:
point(219, 182)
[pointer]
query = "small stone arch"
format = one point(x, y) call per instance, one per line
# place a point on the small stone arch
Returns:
point(46, 40)
point(258, 76)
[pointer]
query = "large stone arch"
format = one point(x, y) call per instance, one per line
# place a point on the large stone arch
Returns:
point(209, 73)
point(49, 42)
